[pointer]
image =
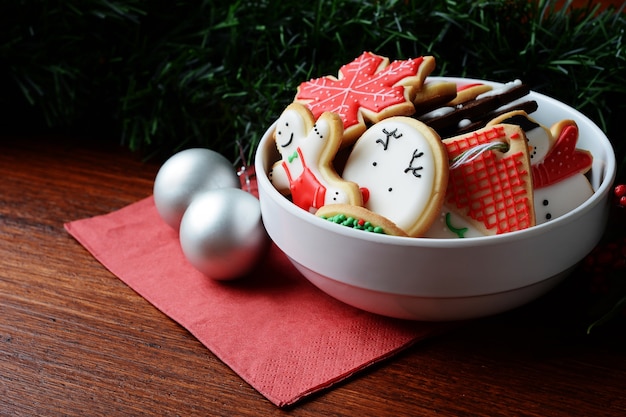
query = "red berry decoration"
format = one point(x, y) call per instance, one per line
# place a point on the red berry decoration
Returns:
point(620, 194)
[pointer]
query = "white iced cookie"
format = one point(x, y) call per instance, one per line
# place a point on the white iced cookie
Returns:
point(307, 149)
point(450, 225)
point(555, 200)
point(402, 169)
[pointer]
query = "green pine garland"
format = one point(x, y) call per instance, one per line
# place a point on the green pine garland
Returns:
point(162, 76)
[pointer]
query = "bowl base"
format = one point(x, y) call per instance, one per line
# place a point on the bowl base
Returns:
point(430, 308)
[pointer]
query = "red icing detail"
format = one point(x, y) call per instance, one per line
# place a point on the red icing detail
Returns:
point(306, 190)
point(491, 190)
point(361, 222)
point(562, 161)
point(365, 192)
point(361, 85)
point(466, 86)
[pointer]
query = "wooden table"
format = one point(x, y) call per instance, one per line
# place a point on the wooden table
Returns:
point(75, 340)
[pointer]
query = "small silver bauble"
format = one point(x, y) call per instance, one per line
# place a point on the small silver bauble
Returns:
point(186, 174)
point(222, 234)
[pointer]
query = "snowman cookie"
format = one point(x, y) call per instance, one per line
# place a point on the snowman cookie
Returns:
point(540, 139)
point(558, 167)
point(307, 149)
point(402, 169)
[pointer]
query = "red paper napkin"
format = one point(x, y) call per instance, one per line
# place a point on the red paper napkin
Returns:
point(282, 335)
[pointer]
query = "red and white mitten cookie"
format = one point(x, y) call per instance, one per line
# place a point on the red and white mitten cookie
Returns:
point(560, 181)
point(367, 89)
point(490, 182)
point(558, 167)
point(307, 149)
point(402, 168)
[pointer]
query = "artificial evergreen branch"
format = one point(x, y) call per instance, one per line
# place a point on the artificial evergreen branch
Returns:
point(161, 76)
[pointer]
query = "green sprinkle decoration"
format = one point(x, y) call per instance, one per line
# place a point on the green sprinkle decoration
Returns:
point(358, 224)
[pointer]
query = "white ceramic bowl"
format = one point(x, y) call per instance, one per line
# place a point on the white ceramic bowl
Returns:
point(442, 279)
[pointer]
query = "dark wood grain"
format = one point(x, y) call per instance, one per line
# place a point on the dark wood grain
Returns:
point(75, 340)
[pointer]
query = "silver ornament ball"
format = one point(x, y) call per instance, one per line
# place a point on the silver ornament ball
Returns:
point(186, 174)
point(222, 233)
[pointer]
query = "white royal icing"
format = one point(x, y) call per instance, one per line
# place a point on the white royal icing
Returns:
point(464, 123)
point(396, 164)
point(450, 225)
point(302, 149)
point(500, 90)
point(540, 141)
point(290, 134)
point(558, 199)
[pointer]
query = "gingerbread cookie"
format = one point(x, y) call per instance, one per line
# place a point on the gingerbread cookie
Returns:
point(490, 180)
point(359, 218)
point(368, 89)
point(402, 169)
point(558, 167)
point(307, 149)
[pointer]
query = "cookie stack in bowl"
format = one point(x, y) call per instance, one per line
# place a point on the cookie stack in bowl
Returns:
point(385, 148)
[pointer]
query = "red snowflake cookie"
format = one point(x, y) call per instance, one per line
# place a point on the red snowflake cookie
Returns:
point(367, 89)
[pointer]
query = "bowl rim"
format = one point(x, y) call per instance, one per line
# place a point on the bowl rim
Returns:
point(609, 168)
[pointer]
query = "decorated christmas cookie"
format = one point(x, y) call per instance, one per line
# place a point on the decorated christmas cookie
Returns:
point(558, 167)
point(370, 88)
point(490, 181)
point(402, 168)
point(540, 139)
point(563, 159)
point(475, 105)
point(555, 200)
point(447, 115)
point(359, 218)
point(450, 225)
point(434, 94)
point(468, 92)
point(307, 149)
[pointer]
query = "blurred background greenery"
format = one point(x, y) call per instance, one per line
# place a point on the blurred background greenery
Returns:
point(160, 76)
